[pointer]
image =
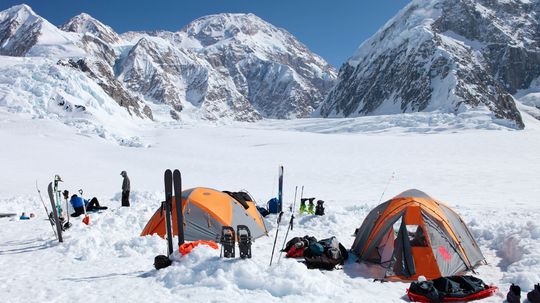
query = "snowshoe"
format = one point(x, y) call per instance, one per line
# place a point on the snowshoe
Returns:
point(162, 261)
point(514, 294)
point(534, 295)
point(227, 241)
point(244, 241)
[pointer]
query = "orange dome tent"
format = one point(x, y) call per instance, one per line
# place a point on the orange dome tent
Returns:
point(206, 211)
point(414, 235)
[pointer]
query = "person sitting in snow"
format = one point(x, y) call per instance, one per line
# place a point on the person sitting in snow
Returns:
point(77, 203)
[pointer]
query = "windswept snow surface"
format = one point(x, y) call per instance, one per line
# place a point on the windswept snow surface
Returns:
point(488, 174)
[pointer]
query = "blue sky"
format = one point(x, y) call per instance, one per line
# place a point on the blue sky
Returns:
point(332, 29)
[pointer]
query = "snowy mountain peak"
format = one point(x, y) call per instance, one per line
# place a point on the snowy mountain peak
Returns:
point(24, 33)
point(246, 29)
point(443, 55)
point(86, 24)
point(21, 11)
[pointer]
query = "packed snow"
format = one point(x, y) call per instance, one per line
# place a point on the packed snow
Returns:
point(488, 174)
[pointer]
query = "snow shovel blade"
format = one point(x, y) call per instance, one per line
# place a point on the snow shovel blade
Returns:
point(86, 219)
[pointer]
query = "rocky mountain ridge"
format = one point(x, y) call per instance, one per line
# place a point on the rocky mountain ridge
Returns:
point(443, 55)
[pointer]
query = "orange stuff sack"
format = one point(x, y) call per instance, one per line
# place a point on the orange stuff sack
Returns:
point(186, 248)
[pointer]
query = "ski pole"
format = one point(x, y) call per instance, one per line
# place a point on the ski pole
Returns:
point(386, 187)
point(86, 219)
point(67, 215)
point(290, 227)
point(275, 239)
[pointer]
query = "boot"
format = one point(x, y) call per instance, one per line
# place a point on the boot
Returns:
point(514, 294)
point(534, 295)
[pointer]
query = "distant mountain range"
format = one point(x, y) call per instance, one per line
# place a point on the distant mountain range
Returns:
point(226, 66)
point(439, 55)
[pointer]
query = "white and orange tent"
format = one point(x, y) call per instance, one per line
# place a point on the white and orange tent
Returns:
point(414, 235)
point(206, 211)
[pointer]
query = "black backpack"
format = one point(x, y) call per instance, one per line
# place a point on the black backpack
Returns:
point(334, 254)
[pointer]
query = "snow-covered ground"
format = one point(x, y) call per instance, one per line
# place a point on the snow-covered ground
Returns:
point(488, 173)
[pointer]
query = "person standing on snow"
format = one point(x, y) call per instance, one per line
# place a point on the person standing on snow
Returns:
point(125, 189)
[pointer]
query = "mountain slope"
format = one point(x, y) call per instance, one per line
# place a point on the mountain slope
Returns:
point(443, 55)
point(24, 33)
point(218, 67)
point(257, 62)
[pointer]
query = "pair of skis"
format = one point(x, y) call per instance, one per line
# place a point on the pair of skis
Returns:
point(173, 180)
point(227, 241)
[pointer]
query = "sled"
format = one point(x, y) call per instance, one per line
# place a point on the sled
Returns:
point(491, 290)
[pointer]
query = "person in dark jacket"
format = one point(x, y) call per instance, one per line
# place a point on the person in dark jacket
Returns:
point(125, 189)
point(77, 203)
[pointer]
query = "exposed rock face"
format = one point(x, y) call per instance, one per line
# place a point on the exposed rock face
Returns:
point(229, 64)
point(443, 55)
point(226, 66)
point(104, 77)
point(19, 30)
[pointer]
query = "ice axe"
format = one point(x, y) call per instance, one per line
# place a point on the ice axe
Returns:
point(86, 219)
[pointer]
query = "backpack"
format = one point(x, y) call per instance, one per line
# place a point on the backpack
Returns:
point(333, 254)
point(263, 211)
point(296, 246)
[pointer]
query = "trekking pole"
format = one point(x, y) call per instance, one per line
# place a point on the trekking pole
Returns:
point(86, 219)
point(275, 239)
point(46, 211)
point(386, 187)
point(290, 227)
point(67, 215)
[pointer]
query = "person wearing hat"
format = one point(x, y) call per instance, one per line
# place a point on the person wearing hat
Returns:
point(125, 189)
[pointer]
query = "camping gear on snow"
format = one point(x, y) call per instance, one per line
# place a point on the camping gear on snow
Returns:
point(280, 188)
point(311, 206)
point(450, 289)
point(205, 212)
point(263, 211)
point(413, 234)
point(534, 295)
point(306, 208)
point(86, 219)
point(65, 194)
point(291, 223)
point(24, 216)
point(227, 242)
point(177, 185)
point(51, 219)
point(319, 209)
point(296, 246)
point(273, 206)
point(275, 239)
point(325, 254)
point(56, 218)
point(163, 261)
point(186, 248)
point(303, 207)
point(244, 241)
point(514, 294)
